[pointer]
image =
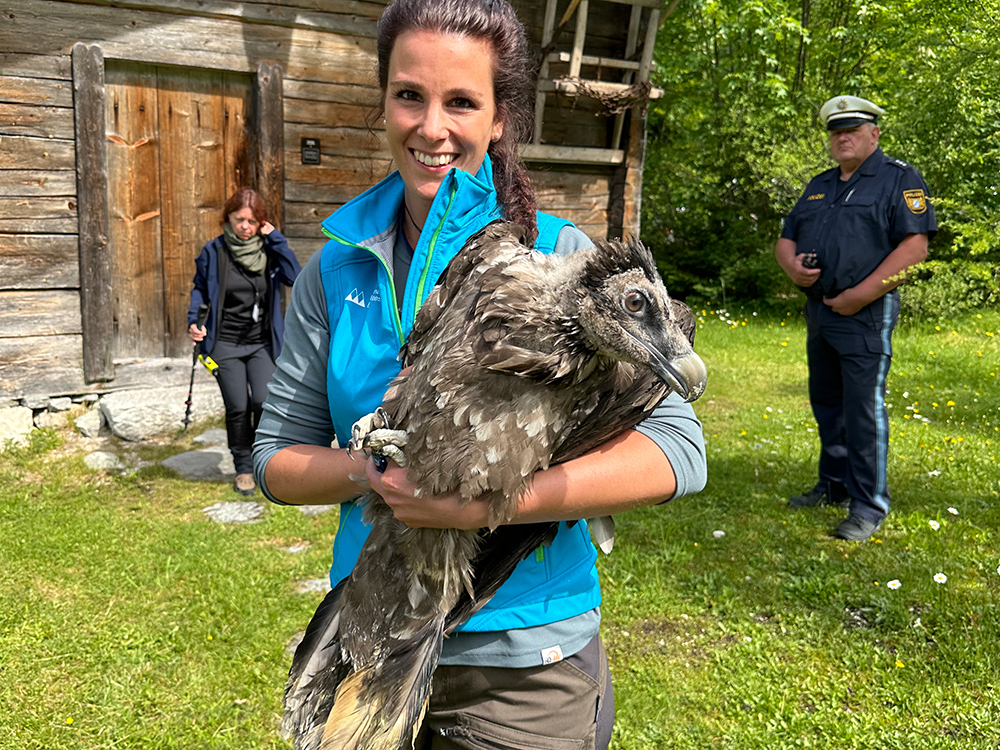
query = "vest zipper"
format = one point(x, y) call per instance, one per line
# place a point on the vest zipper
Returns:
point(396, 321)
point(430, 254)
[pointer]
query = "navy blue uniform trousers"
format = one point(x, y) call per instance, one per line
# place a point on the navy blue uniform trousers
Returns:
point(849, 358)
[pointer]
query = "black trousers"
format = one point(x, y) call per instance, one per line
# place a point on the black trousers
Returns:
point(244, 372)
point(849, 358)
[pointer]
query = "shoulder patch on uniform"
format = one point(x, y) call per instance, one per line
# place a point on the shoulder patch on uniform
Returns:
point(816, 197)
point(916, 201)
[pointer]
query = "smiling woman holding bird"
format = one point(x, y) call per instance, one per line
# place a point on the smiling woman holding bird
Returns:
point(528, 669)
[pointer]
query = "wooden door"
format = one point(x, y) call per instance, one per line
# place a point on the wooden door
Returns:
point(177, 147)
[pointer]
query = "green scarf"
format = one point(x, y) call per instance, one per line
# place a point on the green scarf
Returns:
point(248, 253)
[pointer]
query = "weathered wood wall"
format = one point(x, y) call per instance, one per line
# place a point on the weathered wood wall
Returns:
point(326, 52)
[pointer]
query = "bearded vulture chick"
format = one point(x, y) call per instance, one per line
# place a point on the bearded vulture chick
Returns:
point(519, 360)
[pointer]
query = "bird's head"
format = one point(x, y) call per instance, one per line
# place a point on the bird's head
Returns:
point(626, 314)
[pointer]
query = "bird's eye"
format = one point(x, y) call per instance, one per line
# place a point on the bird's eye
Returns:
point(634, 302)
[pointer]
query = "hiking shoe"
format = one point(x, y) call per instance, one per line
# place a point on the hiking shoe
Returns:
point(244, 484)
point(818, 495)
point(856, 528)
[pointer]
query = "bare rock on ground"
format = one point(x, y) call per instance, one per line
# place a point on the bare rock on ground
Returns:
point(236, 511)
point(141, 413)
point(15, 425)
point(212, 464)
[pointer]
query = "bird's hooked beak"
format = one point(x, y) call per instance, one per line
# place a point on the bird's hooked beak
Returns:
point(685, 374)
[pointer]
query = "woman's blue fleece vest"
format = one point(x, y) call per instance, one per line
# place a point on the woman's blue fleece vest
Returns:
point(554, 583)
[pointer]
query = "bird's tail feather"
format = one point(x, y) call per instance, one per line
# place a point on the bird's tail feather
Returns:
point(381, 707)
point(312, 680)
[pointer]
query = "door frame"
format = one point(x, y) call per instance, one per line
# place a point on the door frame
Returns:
point(96, 274)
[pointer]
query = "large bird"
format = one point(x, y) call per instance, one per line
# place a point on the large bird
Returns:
point(519, 360)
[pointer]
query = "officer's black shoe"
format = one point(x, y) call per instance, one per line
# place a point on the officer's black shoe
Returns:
point(819, 495)
point(856, 529)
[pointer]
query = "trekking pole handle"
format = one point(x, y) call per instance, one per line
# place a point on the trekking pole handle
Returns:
point(202, 315)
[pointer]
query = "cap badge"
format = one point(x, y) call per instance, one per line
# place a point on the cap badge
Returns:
point(842, 104)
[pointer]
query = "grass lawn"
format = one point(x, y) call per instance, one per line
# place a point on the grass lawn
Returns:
point(128, 619)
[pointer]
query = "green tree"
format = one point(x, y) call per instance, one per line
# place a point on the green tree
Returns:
point(736, 136)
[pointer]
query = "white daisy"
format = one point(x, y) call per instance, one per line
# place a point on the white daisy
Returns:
point(953, 511)
point(893, 584)
point(934, 525)
point(940, 578)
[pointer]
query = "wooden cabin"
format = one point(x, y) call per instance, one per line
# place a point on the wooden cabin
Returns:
point(125, 124)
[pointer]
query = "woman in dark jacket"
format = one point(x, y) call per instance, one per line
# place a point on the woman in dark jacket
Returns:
point(238, 276)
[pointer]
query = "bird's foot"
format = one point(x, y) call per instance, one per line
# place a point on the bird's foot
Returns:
point(372, 434)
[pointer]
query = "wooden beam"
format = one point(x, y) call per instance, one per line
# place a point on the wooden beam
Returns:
point(631, 41)
point(335, 180)
point(36, 66)
point(97, 312)
point(48, 365)
point(39, 261)
point(336, 142)
point(329, 17)
point(341, 93)
point(642, 3)
point(35, 313)
point(40, 91)
point(646, 62)
point(601, 62)
point(580, 36)
point(38, 215)
point(32, 182)
point(37, 122)
point(326, 114)
point(571, 154)
point(572, 87)
point(191, 41)
point(269, 110)
point(543, 73)
point(635, 159)
point(38, 208)
point(21, 152)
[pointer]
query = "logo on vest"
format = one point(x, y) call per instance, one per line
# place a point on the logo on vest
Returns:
point(374, 296)
point(358, 298)
point(551, 655)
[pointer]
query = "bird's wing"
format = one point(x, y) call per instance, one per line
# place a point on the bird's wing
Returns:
point(685, 320)
point(317, 669)
point(601, 418)
point(479, 253)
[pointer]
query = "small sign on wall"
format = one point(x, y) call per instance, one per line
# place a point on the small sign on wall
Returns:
point(310, 151)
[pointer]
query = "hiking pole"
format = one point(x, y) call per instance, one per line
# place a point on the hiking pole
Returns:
point(202, 317)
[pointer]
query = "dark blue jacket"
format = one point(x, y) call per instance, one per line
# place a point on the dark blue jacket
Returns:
point(852, 226)
point(211, 269)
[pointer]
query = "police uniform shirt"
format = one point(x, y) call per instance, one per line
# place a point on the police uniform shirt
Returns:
point(853, 225)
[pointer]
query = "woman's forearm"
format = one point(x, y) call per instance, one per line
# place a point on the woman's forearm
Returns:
point(628, 471)
point(313, 475)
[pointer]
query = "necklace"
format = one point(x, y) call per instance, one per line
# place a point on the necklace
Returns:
point(409, 216)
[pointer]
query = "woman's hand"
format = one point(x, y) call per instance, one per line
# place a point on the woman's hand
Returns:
point(437, 512)
point(197, 334)
point(266, 228)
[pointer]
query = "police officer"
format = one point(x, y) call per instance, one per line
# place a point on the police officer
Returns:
point(848, 244)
